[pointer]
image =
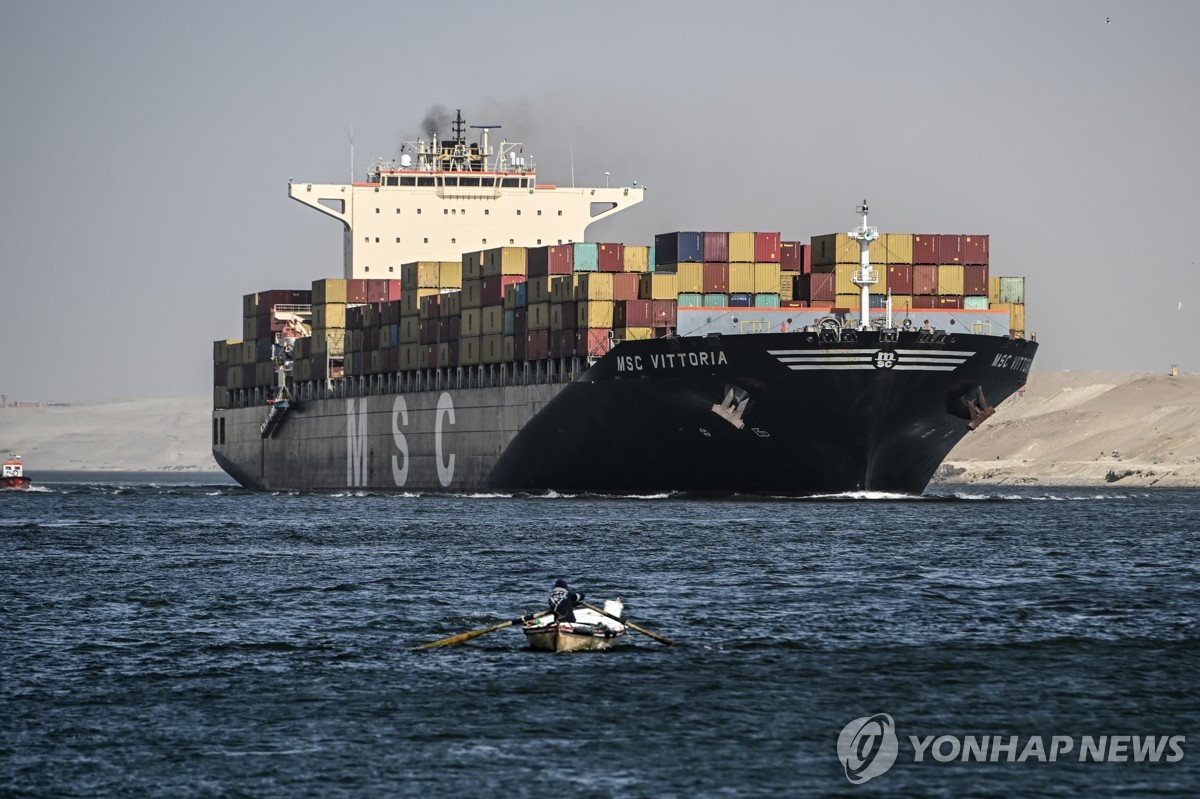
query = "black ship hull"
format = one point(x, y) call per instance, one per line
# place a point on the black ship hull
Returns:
point(785, 414)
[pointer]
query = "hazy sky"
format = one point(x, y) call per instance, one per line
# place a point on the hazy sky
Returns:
point(146, 147)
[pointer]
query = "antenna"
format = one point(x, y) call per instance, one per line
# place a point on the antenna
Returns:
point(572, 163)
point(350, 134)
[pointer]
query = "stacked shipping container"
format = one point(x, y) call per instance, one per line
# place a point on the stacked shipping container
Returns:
point(512, 304)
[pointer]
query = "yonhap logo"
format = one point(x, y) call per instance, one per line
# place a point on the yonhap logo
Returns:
point(867, 747)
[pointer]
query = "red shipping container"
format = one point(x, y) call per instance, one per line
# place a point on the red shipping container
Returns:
point(924, 301)
point(925, 248)
point(356, 290)
point(975, 250)
point(395, 291)
point(791, 256)
point(950, 249)
point(427, 331)
point(975, 281)
point(569, 310)
point(593, 341)
point(665, 313)
point(949, 302)
point(377, 290)
point(766, 248)
point(625, 285)
point(610, 257)
point(633, 313)
point(806, 257)
point(554, 259)
point(818, 287)
point(539, 345)
point(716, 279)
point(924, 280)
point(558, 346)
point(900, 279)
point(716, 247)
point(492, 291)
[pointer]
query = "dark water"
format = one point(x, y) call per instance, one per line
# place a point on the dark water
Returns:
point(179, 639)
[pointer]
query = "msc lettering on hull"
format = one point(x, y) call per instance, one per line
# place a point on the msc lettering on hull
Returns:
point(358, 448)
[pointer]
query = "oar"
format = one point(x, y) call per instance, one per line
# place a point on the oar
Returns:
point(467, 636)
point(630, 625)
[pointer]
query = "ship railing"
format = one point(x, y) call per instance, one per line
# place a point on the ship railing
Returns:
point(522, 373)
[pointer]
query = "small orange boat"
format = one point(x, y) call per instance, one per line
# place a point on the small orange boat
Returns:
point(13, 474)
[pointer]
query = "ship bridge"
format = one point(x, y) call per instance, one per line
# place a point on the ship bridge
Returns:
point(439, 200)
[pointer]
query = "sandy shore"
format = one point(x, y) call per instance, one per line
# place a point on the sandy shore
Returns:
point(1070, 428)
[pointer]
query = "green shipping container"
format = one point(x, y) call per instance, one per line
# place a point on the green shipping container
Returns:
point(766, 300)
point(716, 300)
point(689, 300)
point(1012, 289)
point(975, 303)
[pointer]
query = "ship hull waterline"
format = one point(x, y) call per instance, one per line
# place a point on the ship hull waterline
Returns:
point(786, 414)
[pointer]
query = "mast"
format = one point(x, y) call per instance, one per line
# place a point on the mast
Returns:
point(865, 276)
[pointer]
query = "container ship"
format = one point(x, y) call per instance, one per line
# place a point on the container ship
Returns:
point(477, 342)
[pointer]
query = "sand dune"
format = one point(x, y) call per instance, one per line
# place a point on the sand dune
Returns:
point(1070, 428)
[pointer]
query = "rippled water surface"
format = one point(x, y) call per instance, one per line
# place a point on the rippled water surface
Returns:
point(188, 638)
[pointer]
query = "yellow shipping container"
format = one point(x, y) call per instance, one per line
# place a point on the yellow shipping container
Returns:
point(493, 319)
point(787, 284)
point(562, 288)
point(450, 274)
point(451, 303)
point(538, 317)
point(851, 301)
point(329, 316)
point(510, 349)
point(469, 350)
point(766, 278)
point(472, 322)
point(834, 248)
point(741, 279)
point(408, 357)
point(741, 248)
point(221, 349)
point(636, 259)
point(510, 297)
point(327, 290)
point(421, 274)
point(410, 331)
point(634, 333)
point(472, 293)
point(594, 286)
point(385, 336)
point(993, 292)
point(690, 278)
point(594, 313)
point(899, 248)
point(410, 300)
point(843, 283)
point(443, 354)
point(538, 290)
point(500, 261)
point(658, 286)
point(491, 349)
point(950, 280)
point(472, 265)
point(1016, 314)
point(902, 302)
point(556, 316)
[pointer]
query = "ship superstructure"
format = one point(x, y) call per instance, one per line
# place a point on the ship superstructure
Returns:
point(441, 198)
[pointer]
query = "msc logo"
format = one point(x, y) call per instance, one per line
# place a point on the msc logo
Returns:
point(885, 360)
point(867, 747)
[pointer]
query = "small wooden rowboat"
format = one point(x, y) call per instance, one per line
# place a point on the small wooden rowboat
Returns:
point(590, 630)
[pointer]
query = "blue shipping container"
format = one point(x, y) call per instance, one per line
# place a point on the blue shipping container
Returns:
point(678, 247)
point(587, 256)
point(741, 300)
